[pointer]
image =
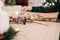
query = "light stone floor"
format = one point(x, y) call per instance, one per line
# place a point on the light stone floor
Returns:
point(37, 31)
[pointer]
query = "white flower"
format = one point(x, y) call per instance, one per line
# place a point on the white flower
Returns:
point(4, 21)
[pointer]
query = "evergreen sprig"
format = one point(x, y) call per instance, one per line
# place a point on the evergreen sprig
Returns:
point(10, 2)
point(9, 34)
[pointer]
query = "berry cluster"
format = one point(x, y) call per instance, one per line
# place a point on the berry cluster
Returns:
point(18, 20)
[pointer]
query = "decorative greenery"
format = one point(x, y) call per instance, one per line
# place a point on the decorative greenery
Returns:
point(50, 1)
point(10, 2)
point(48, 7)
point(45, 9)
point(9, 34)
point(51, 6)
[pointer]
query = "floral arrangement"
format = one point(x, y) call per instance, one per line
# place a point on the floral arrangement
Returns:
point(6, 31)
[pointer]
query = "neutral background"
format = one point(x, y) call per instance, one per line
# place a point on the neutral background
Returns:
point(36, 2)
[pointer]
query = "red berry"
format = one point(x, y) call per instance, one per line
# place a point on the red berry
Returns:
point(1, 37)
